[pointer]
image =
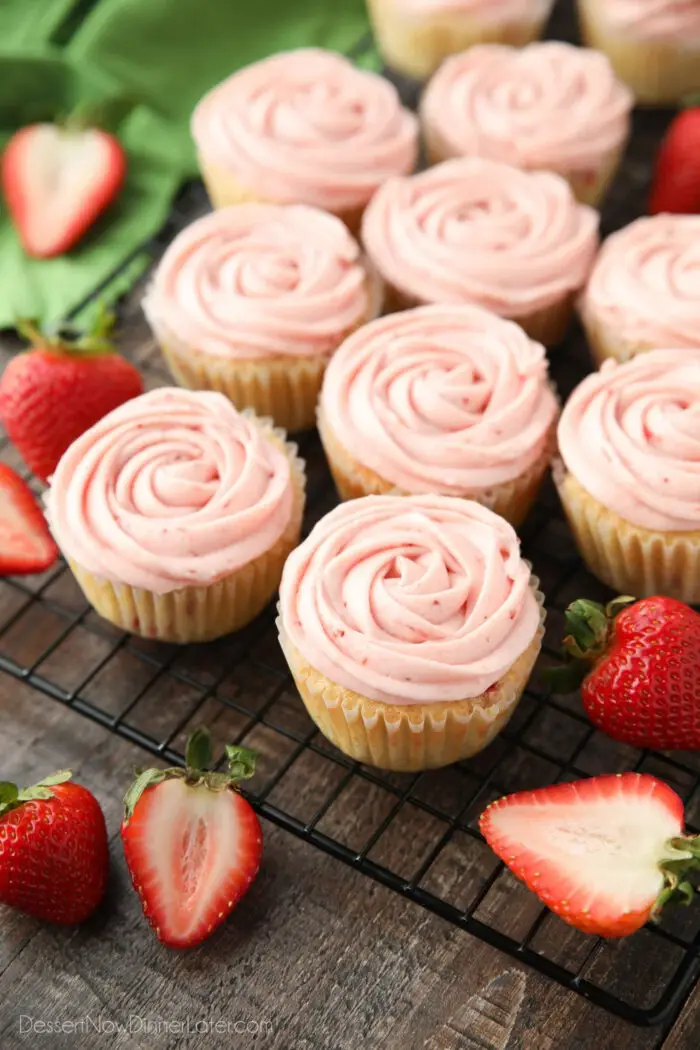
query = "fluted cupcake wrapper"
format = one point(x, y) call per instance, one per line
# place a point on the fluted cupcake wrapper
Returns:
point(202, 613)
point(415, 43)
point(589, 188)
point(659, 71)
point(632, 560)
point(547, 326)
point(410, 737)
point(512, 500)
point(224, 189)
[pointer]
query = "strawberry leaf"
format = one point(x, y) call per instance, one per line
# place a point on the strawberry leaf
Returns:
point(144, 780)
point(198, 753)
point(241, 762)
point(56, 778)
point(8, 795)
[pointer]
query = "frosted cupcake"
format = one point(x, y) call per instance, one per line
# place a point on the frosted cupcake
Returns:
point(303, 127)
point(253, 300)
point(478, 231)
point(654, 45)
point(176, 514)
point(629, 439)
point(447, 399)
point(644, 290)
point(411, 626)
point(414, 36)
point(549, 106)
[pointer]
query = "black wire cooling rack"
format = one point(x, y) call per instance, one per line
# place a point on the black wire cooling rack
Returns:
point(416, 834)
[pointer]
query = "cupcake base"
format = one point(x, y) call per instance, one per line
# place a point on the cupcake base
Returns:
point(547, 326)
point(603, 343)
point(408, 738)
point(589, 187)
point(629, 559)
point(659, 72)
point(512, 500)
point(224, 189)
point(200, 614)
point(415, 43)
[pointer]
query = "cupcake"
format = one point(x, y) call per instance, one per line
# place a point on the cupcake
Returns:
point(252, 301)
point(411, 626)
point(477, 231)
point(447, 399)
point(654, 45)
point(176, 514)
point(303, 127)
point(629, 480)
point(414, 36)
point(644, 290)
point(550, 107)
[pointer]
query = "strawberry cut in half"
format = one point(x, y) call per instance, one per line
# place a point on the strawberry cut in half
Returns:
point(57, 180)
point(604, 854)
point(26, 545)
point(192, 842)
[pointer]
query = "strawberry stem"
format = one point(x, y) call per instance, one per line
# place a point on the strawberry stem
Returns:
point(589, 626)
point(678, 889)
point(11, 797)
point(66, 339)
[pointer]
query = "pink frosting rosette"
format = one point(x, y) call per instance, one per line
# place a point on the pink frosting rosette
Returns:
point(410, 600)
point(307, 126)
point(630, 435)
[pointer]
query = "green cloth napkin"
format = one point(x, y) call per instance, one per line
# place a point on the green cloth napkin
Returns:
point(163, 53)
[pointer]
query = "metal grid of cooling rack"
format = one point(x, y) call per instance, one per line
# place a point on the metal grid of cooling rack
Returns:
point(415, 833)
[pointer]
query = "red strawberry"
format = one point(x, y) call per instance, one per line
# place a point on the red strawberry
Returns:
point(640, 666)
point(57, 180)
point(53, 850)
point(603, 854)
point(54, 392)
point(192, 843)
point(676, 184)
point(25, 541)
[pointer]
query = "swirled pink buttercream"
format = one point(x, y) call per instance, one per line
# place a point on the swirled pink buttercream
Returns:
point(475, 230)
point(172, 489)
point(548, 105)
point(674, 19)
point(308, 127)
point(410, 600)
point(630, 434)
point(645, 285)
point(257, 280)
point(447, 399)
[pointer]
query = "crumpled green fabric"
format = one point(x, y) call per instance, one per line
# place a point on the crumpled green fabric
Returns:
point(161, 54)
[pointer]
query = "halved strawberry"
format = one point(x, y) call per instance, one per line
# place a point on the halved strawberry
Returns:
point(26, 545)
point(604, 854)
point(192, 843)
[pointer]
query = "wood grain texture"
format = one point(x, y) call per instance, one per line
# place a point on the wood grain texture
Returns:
point(327, 959)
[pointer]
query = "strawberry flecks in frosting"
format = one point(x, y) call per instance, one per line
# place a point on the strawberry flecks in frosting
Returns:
point(447, 399)
point(409, 600)
point(645, 285)
point(475, 230)
point(172, 489)
point(675, 19)
point(630, 434)
point(260, 280)
point(308, 126)
point(548, 105)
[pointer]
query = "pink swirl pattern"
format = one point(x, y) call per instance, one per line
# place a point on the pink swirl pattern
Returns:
point(548, 105)
point(260, 280)
point(410, 600)
point(172, 489)
point(630, 434)
point(473, 230)
point(675, 19)
point(448, 399)
point(645, 285)
point(307, 126)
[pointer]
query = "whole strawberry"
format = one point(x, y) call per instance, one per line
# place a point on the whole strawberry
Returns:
point(604, 854)
point(638, 663)
point(54, 392)
point(53, 850)
point(192, 842)
point(676, 184)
